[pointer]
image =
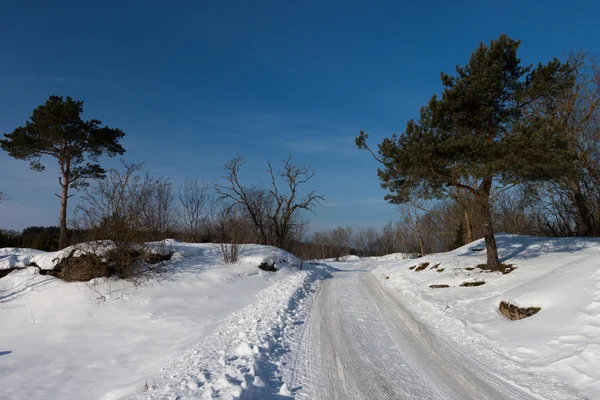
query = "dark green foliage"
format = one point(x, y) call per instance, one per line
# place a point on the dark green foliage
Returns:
point(9, 239)
point(459, 239)
point(38, 237)
point(481, 130)
point(41, 237)
point(56, 129)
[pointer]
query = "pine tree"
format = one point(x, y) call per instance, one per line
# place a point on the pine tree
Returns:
point(56, 129)
point(480, 133)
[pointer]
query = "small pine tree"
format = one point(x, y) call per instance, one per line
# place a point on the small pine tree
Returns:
point(459, 239)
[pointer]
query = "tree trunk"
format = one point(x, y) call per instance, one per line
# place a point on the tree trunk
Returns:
point(493, 262)
point(421, 244)
point(582, 210)
point(62, 241)
point(469, 226)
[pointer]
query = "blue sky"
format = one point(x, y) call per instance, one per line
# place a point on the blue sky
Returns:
point(193, 83)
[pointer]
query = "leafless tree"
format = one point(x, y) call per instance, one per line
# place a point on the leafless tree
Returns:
point(194, 200)
point(275, 212)
point(410, 214)
point(159, 213)
point(577, 113)
point(3, 197)
point(340, 240)
point(118, 209)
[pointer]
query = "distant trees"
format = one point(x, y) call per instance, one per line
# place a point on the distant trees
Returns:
point(195, 202)
point(481, 133)
point(575, 198)
point(276, 212)
point(56, 129)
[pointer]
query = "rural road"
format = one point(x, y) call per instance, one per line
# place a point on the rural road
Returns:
point(360, 343)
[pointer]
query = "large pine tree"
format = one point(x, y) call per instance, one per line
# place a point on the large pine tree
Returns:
point(480, 133)
point(56, 129)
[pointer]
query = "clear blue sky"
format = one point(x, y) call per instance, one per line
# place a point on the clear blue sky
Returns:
point(193, 83)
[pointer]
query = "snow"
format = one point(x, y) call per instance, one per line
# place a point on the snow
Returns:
point(360, 343)
point(64, 340)
point(244, 356)
point(561, 343)
point(20, 258)
point(374, 330)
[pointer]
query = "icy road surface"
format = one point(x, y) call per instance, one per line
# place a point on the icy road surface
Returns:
point(360, 343)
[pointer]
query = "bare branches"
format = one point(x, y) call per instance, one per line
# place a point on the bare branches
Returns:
point(3, 197)
point(194, 199)
point(276, 212)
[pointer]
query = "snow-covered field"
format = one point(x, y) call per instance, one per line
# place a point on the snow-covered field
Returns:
point(208, 330)
point(560, 345)
point(58, 340)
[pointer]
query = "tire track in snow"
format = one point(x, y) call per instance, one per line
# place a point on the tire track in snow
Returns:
point(360, 343)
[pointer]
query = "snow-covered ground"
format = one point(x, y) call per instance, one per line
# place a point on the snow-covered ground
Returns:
point(375, 328)
point(59, 340)
point(556, 349)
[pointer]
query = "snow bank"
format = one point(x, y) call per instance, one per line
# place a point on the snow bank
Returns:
point(272, 256)
point(103, 339)
point(561, 276)
point(21, 258)
point(241, 358)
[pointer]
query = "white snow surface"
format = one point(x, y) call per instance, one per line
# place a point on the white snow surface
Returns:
point(21, 258)
point(62, 340)
point(556, 352)
point(244, 356)
point(374, 330)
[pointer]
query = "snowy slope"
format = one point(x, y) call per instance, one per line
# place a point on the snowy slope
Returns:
point(561, 343)
point(58, 340)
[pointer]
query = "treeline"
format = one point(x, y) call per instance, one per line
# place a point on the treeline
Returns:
point(506, 147)
point(130, 206)
point(33, 237)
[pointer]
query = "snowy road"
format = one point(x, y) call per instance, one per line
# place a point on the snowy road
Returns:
point(360, 343)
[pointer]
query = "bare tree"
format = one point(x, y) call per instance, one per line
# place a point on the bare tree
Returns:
point(579, 116)
point(159, 213)
point(3, 197)
point(340, 240)
point(275, 212)
point(118, 209)
point(410, 214)
point(193, 199)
